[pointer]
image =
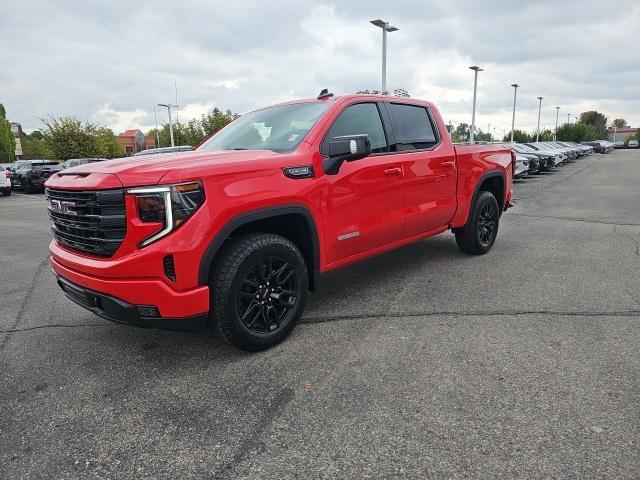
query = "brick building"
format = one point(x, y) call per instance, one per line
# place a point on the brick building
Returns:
point(621, 134)
point(134, 140)
point(18, 134)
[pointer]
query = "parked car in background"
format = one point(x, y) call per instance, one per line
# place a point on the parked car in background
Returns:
point(546, 161)
point(607, 145)
point(74, 162)
point(30, 175)
point(597, 146)
point(560, 156)
point(156, 151)
point(633, 144)
point(5, 182)
point(619, 144)
point(522, 166)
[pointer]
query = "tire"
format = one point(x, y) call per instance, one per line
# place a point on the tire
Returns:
point(479, 234)
point(6, 192)
point(259, 286)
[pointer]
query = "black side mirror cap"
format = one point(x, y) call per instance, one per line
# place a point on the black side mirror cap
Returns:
point(346, 149)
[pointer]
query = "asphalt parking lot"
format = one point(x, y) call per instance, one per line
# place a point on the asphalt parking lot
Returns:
point(421, 363)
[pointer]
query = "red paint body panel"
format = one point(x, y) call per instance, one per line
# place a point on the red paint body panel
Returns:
point(389, 199)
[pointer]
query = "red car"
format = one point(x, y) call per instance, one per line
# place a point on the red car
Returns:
point(235, 233)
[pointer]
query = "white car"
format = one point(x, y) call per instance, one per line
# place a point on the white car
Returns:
point(5, 182)
point(633, 144)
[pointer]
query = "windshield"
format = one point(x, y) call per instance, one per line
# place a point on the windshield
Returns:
point(279, 129)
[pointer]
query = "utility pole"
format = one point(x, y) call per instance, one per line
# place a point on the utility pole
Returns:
point(476, 69)
point(513, 117)
point(155, 117)
point(168, 106)
point(539, 110)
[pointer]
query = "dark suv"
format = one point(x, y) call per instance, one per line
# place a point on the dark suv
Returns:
point(30, 175)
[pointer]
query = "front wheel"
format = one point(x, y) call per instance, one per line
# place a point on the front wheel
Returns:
point(479, 234)
point(258, 287)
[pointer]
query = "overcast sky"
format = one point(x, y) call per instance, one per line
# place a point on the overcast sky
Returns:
point(106, 61)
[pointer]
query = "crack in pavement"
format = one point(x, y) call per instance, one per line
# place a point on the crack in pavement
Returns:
point(582, 220)
point(491, 313)
point(637, 243)
point(23, 306)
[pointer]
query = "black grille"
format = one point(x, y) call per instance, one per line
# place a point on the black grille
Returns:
point(92, 222)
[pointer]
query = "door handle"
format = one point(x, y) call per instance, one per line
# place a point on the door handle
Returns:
point(450, 163)
point(393, 171)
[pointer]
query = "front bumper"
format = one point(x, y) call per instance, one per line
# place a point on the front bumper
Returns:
point(119, 311)
point(147, 291)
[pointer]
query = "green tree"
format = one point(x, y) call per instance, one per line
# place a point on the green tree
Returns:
point(35, 147)
point(619, 123)
point(108, 146)
point(216, 119)
point(597, 120)
point(460, 133)
point(577, 132)
point(519, 136)
point(68, 137)
point(7, 140)
point(546, 135)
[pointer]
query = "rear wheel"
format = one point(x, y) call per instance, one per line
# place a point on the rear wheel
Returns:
point(6, 192)
point(479, 234)
point(258, 286)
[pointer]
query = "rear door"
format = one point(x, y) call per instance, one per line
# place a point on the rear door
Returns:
point(429, 166)
point(364, 202)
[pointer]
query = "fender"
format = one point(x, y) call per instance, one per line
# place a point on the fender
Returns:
point(485, 176)
point(207, 259)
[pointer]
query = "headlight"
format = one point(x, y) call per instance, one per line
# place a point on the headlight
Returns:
point(170, 205)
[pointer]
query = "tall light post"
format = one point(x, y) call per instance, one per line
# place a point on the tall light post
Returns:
point(555, 135)
point(539, 110)
point(476, 69)
point(168, 106)
point(155, 118)
point(385, 28)
point(513, 117)
point(576, 119)
point(568, 118)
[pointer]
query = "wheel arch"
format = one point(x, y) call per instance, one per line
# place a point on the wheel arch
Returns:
point(294, 222)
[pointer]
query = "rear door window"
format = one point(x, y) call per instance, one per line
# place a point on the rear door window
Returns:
point(412, 126)
point(359, 119)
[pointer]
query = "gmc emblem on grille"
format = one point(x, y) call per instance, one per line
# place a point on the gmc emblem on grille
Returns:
point(63, 207)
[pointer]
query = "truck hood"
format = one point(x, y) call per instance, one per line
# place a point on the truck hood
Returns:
point(150, 169)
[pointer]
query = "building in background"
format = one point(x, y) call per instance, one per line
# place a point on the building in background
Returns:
point(18, 134)
point(133, 141)
point(621, 134)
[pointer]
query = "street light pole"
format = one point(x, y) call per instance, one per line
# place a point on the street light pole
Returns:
point(385, 28)
point(476, 69)
point(539, 110)
point(513, 117)
point(555, 135)
point(568, 118)
point(168, 106)
point(155, 117)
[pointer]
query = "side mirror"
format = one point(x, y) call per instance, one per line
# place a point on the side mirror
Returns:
point(346, 149)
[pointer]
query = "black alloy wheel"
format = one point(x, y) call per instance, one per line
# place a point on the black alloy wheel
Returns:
point(259, 284)
point(479, 234)
point(487, 222)
point(268, 295)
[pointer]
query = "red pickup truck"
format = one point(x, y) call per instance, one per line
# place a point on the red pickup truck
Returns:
point(234, 234)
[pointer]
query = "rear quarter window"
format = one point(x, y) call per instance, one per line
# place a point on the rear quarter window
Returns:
point(413, 127)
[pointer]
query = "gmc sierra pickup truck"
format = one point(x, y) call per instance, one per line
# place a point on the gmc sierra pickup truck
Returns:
point(234, 234)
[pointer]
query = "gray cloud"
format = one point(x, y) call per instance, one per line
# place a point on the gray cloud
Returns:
point(107, 61)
